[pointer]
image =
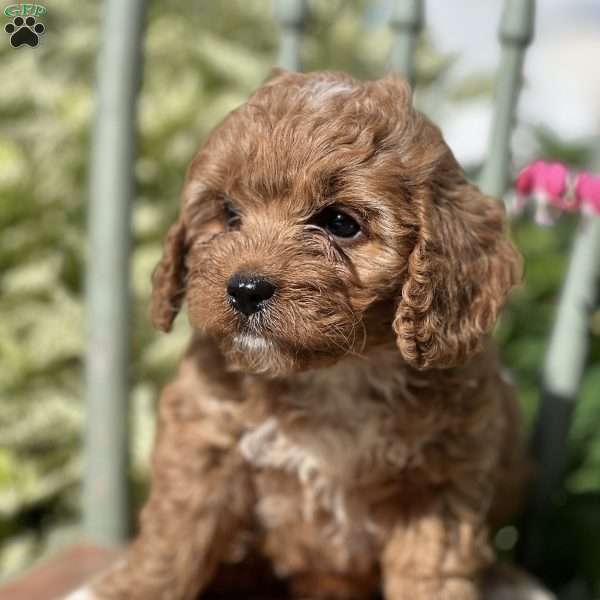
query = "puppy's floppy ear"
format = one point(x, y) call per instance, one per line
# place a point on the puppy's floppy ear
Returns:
point(168, 278)
point(459, 272)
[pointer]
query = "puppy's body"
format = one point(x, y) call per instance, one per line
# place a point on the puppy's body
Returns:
point(330, 467)
point(347, 453)
point(340, 410)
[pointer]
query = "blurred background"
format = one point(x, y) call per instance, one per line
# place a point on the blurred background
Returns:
point(201, 59)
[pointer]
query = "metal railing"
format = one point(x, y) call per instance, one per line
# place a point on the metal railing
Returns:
point(105, 490)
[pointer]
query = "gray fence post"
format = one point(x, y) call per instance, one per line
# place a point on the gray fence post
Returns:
point(561, 378)
point(105, 493)
point(516, 33)
point(566, 356)
point(292, 16)
point(407, 23)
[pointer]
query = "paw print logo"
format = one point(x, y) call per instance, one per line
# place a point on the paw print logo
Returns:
point(24, 31)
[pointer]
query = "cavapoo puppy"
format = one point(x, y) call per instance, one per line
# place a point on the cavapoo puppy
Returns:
point(339, 424)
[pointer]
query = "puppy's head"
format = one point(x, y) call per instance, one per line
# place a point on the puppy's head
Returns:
point(325, 216)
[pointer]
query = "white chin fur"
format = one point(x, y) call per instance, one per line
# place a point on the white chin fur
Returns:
point(252, 343)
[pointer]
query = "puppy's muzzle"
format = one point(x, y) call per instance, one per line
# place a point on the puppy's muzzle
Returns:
point(248, 293)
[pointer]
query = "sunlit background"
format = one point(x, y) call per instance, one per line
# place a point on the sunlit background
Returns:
point(201, 59)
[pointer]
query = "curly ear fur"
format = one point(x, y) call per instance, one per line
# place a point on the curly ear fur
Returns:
point(459, 272)
point(168, 278)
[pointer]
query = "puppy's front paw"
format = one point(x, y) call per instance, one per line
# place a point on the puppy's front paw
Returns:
point(459, 589)
point(435, 589)
point(84, 593)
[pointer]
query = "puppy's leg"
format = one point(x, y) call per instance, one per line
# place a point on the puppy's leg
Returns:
point(437, 556)
point(200, 499)
point(334, 586)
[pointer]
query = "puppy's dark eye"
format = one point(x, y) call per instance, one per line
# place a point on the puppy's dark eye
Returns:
point(337, 222)
point(232, 215)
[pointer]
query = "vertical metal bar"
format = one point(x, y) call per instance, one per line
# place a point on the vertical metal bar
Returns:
point(516, 33)
point(292, 16)
point(406, 23)
point(561, 379)
point(105, 493)
point(565, 358)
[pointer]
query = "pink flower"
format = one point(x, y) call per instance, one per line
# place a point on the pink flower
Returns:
point(587, 191)
point(548, 178)
point(549, 186)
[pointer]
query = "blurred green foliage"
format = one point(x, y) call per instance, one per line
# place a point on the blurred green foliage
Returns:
point(201, 60)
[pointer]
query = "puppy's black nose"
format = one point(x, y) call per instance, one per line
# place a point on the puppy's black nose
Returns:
point(248, 292)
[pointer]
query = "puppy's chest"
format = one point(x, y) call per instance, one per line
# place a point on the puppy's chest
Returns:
point(324, 453)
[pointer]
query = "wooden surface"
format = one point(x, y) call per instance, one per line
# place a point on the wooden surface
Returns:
point(54, 578)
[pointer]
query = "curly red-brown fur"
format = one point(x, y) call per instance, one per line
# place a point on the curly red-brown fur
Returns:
point(168, 279)
point(460, 272)
point(356, 432)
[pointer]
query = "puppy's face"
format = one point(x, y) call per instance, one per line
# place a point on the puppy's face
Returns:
point(326, 216)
